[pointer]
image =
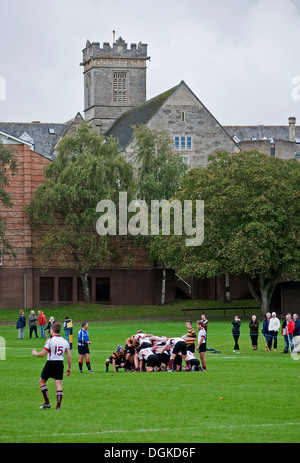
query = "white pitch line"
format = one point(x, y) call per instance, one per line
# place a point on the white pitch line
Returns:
point(185, 429)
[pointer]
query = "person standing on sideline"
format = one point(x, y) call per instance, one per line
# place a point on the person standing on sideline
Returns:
point(190, 337)
point(32, 320)
point(201, 346)
point(42, 322)
point(83, 347)
point(274, 326)
point(236, 333)
point(290, 328)
point(285, 337)
point(265, 330)
point(254, 325)
point(49, 324)
point(67, 327)
point(21, 323)
point(54, 348)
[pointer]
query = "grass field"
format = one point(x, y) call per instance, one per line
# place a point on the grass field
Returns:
point(250, 397)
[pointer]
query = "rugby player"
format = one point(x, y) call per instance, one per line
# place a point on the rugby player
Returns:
point(54, 348)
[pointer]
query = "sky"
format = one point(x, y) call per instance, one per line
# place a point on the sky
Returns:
point(240, 57)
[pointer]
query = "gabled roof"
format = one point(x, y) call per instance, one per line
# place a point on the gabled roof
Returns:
point(261, 132)
point(122, 128)
point(45, 136)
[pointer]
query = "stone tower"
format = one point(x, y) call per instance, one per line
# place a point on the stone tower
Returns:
point(114, 80)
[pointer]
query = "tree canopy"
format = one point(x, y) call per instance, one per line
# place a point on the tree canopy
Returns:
point(8, 168)
point(252, 219)
point(87, 169)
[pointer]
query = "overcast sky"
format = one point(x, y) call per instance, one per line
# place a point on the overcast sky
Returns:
point(240, 57)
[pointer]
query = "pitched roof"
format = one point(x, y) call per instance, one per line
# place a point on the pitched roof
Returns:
point(122, 128)
point(261, 132)
point(45, 136)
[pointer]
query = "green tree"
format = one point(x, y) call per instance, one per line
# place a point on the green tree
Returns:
point(159, 174)
point(8, 168)
point(87, 169)
point(252, 220)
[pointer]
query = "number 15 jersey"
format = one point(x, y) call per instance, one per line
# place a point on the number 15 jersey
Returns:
point(56, 347)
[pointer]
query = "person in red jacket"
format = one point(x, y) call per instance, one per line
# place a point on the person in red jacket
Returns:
point(290, 328)
point(42, 322)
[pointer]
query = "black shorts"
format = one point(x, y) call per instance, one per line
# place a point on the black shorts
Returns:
point(53, 369)
point(129, 350)
point(180, 346)
point(202, 347)
point(191, 347)
point(82, 350)
point(152, 361)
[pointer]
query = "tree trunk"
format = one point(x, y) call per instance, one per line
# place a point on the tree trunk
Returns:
point(266, 287)
point(163, 287)
point(85, 286)
point(227, 288)
point(83, 276)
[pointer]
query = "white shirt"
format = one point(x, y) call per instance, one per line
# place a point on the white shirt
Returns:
point(56, 347)
point(274, 324)
point(173, 341)
point(144, 353)
point(190, 355)
point(201, 333)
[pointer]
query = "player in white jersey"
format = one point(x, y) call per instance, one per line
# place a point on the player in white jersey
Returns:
point(179, 346)
point(201, 346)
point(55, 348)
point(149, 357)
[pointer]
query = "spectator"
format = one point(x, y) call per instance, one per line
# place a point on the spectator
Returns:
point(32, 320)
point(274, 326)
point(285, 337)
point(236, 333)
point(21, 323)
point(42, 323)
point(49, 324)
point(296, 336)
point(67, 327)
point(265, 330)
point(254, 325)
point(290, 328)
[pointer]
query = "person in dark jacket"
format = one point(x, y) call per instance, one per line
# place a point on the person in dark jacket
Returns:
point(236, 333)
point(21, 323)
point(254, 325)
point(265, 331)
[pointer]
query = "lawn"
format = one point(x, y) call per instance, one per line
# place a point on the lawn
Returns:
point(250, 397)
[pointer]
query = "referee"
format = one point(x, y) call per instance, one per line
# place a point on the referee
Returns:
point(83, 347)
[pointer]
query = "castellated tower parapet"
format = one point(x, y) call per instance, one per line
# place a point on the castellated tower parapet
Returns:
point(114, 80)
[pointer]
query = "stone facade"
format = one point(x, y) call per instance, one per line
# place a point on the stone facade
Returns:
point(114, 81)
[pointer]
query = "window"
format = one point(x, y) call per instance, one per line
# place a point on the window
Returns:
point(183, 143)
point(120, 87)
point(65, 289)
point(102, 290)
point(182, 116)
point(46, 289)
point(186, 161)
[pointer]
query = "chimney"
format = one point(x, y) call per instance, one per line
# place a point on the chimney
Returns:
point(292, 128)
point(114, 36)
